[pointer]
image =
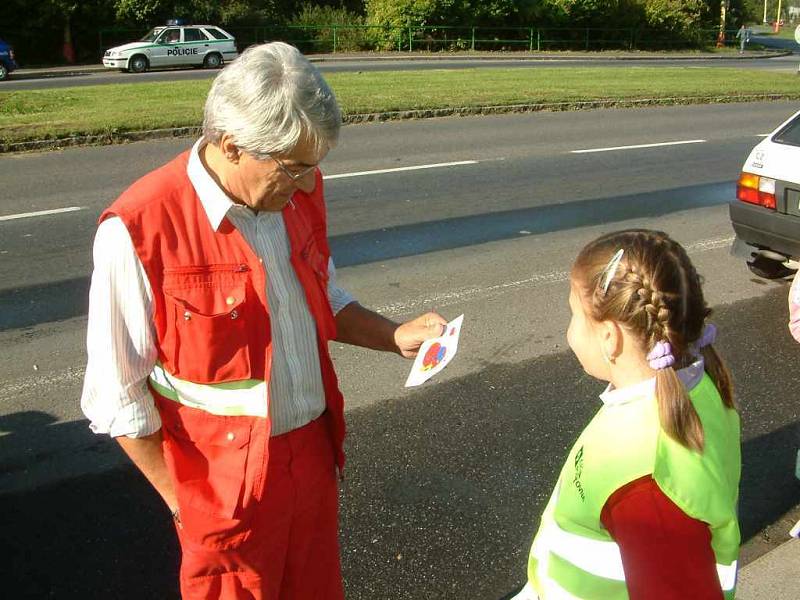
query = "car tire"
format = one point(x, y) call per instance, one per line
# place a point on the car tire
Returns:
point(769, 268)
point(138, 64)
point(212, 61)
point(3, 72)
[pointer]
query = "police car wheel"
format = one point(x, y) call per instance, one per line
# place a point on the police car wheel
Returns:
point(3, 72)
point(137, 64)
point(212, 61)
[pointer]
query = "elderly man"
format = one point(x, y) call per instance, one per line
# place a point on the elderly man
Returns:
point(213, 300)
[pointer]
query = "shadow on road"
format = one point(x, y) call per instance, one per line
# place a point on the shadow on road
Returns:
point(769, 488)
point(444, 485)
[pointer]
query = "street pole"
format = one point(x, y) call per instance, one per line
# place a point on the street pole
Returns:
point(765, 11)
point(778, 18)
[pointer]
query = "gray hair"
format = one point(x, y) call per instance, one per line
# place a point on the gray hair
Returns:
point(269, 99)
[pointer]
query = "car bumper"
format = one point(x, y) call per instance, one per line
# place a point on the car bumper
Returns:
point(115, 63)
point(10, 65)
point(766, 229)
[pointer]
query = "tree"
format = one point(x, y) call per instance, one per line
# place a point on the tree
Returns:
point(400, 13)
point(220, 12)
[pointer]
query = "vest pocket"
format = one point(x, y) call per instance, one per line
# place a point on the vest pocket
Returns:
point(207, 335)
point(208, 455)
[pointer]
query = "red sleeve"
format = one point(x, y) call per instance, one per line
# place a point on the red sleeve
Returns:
point(666, 554)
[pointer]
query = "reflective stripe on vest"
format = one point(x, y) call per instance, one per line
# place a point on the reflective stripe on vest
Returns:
point(247, 397)
point(602, 558)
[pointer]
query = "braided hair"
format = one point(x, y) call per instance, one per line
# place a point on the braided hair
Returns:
point(656, 294)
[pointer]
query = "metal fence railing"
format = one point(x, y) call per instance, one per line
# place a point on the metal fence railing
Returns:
point(349, 38)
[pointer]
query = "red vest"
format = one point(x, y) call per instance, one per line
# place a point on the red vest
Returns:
point(212, 326)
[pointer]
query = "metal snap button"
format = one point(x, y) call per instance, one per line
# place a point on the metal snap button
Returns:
point(234, 314)
point(230, 300)
point(187, 316)
point(231, 436)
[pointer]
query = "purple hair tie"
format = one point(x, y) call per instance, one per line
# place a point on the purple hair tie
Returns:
point(708, 336)
point(660, 357)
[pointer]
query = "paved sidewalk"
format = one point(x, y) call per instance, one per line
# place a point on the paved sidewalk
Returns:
point(773, 576)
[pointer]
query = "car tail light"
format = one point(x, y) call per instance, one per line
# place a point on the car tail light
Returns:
point(755, 189)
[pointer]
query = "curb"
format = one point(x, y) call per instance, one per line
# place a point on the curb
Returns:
point(771, 576)
point(559, 106)
point(118, 137)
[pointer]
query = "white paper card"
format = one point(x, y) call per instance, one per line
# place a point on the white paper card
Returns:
point(435, 354)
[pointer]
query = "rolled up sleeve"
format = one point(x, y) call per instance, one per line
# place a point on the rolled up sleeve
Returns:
point(337, 296)
point(120, 339)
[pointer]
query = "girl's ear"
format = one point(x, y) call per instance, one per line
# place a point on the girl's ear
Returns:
point(610, 340)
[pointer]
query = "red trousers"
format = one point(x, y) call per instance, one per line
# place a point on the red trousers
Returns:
point(287, 547)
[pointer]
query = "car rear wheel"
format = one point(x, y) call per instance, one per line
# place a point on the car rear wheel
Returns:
point(212, 61)
point(769, 268)
point(137, 64)
point(3, 72)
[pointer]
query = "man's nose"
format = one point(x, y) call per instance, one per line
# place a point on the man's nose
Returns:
point(307, 182)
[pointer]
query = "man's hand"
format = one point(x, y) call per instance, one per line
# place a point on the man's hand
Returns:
point(362, 327)
point(409, 336)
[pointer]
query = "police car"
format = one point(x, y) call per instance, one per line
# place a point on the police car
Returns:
point(766, 212)
point(174, 45)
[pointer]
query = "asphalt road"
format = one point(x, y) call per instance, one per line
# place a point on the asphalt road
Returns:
point(32, 81)
point(444, 483)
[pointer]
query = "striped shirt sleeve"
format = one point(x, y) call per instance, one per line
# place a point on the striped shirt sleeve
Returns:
point(120, 339)
point(794, 307)
point(337, 296)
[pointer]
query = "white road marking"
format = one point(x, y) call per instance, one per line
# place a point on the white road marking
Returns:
point(459, 163)
point(40, 213)
point(400, 169)
point(762, 135)
point(587, 151)
point(458, 296)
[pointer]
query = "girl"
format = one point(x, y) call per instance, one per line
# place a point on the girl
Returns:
point(645, 506)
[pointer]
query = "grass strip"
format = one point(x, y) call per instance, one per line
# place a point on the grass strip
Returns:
point(97, 110)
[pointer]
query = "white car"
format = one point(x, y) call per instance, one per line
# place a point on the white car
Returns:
point(766, 212)
point(174, 46)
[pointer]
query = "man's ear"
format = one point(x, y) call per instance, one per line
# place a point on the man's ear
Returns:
point(229, 148)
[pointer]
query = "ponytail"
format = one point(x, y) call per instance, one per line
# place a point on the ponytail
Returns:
point(677, 414)
point(719, 374)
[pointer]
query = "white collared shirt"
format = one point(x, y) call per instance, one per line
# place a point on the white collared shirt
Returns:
point(121, 341)
point(690, 376)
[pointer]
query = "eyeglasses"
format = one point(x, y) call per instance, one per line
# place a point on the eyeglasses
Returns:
point(294, 176)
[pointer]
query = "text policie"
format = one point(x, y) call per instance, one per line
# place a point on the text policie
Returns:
point(181, 51)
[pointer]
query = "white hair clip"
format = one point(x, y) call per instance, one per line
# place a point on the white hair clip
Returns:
point(611, 269)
